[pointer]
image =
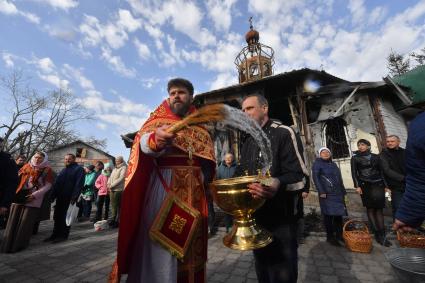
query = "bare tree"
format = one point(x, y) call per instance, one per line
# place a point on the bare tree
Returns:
point(397, 64)
point(38, 122)
point(419, 57)
point(95, 142)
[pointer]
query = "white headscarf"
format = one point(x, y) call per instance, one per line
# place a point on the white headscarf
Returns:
point(43, 164)
point(324, 148)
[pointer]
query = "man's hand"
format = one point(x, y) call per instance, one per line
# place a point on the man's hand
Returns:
point(401, 226)
point(162, 137)
point(359, 190)
point(3, 210)
point(304, 195)
point(322, 195)
point(257, 190)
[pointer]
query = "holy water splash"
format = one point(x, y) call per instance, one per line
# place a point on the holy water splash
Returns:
point(239, 120)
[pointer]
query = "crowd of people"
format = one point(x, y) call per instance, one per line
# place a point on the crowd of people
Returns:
point(166, 180)
point(29, 189)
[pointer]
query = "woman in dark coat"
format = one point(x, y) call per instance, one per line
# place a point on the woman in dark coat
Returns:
point(370, 184)
point(328, 180)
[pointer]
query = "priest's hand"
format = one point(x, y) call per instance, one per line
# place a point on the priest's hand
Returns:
point(258, 190)
point(30, 198)
point(162, 137)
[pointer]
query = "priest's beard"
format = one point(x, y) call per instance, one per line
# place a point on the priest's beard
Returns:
point(180, 109)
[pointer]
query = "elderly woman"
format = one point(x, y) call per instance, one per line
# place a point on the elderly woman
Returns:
point(328, 180)
point(36, 179)
point(115, 188)
point(370, 184)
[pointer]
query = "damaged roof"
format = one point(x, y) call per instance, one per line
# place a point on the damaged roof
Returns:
point(415, 81)
point(282, 80)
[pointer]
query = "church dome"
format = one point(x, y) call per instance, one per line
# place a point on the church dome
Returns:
point(252, 36)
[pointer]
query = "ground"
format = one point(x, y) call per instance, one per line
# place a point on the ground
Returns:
point(88, 255)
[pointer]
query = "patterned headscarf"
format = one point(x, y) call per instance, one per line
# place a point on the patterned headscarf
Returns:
point(43, 164)
point(31, 172)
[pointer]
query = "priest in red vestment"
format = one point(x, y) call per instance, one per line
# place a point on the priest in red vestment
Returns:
point(162, 163)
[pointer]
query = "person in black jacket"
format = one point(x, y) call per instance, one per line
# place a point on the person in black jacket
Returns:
point(369, 182)
point(392, 163)
point(20, 161)
point(8, 183)
point(66, 190)
point(277, 262)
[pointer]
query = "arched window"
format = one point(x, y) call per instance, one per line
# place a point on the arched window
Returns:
point(267, 69)
point(253, 70)
point(335, 133)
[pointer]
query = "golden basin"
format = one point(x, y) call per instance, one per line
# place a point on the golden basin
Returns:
point(233, 197)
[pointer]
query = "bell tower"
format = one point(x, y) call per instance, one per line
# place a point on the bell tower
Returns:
point(256, 60)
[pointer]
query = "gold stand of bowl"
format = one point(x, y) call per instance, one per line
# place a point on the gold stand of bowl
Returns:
point(247, 235)
point(233, 197)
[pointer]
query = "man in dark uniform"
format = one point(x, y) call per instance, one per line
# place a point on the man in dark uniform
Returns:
point(277, 262)
point(302, 193)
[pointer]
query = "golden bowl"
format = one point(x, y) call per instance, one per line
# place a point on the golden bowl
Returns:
point(233, 197)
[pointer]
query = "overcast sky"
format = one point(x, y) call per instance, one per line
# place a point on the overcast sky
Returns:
point(118, 55)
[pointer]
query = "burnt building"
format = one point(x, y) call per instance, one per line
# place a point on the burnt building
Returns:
point(324, 109)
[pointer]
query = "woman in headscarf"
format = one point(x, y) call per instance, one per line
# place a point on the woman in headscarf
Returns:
point(370, 184)
point(36, 179)
point(328, 180)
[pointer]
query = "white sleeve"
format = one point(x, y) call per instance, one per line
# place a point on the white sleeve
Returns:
point(145, 147)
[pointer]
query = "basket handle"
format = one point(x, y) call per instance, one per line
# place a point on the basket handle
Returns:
point(354, 220)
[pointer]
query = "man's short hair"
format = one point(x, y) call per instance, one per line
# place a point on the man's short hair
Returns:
point(71, 154)
point(261, 99)
point(21, 156)
point(181, 83)
point(394, 136)
point(363, 141)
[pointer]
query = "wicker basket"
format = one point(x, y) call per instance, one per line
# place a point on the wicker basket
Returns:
point(356, 236)
point(411, 239)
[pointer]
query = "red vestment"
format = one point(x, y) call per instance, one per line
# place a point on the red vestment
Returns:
point(140, 167)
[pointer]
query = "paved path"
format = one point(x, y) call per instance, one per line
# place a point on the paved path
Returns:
point(87, 257)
